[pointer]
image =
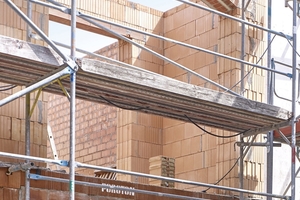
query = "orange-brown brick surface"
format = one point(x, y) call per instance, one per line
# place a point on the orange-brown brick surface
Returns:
point(12, 115)
point(110, 136)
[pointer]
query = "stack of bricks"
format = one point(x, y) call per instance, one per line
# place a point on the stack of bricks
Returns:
point(162, 166)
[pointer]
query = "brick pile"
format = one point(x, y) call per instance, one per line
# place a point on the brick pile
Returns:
point(162, 166)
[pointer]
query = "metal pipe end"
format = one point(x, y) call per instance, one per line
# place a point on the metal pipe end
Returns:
point(19, 167)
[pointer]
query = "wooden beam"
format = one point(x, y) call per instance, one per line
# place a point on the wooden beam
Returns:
point(63, 18)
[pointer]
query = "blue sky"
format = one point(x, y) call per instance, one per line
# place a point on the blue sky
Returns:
point(92, 42)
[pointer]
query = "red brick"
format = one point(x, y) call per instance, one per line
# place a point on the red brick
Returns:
point(38, 194)
point(10, 194)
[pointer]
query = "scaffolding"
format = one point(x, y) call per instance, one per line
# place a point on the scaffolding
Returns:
point(68, 66)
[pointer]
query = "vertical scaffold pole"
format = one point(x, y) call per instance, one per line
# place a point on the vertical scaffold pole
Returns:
point(72, 103)
point(270, 86)
point(294, 98)
point(29, 15)
point(243, 32)
point(27, 144)
point(27, 113)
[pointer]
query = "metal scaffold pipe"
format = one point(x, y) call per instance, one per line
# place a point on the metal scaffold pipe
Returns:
point(72, 104)
point(86, 18)
point(114, 188)
point(270, 89)
point(33, 158)
point(20, 167)
point(27, 145)
point(81, 165)
point(241, 172)
point(294, 99)
point(185, 44)
point(43, 82)
point(106, 58)
point(176, 42)
point(36, 29)
point(233, 18)
point(60, 8)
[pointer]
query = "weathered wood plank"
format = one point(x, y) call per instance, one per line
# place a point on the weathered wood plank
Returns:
point(25, 63)
point(164, 86)
point(26, 50)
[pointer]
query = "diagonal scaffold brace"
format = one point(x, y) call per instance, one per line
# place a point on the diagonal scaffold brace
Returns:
point(47, 79)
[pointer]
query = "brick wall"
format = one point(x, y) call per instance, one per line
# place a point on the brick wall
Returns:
point(194, 151)
point(139, 136)
point(120, 11)
point(12, 115)
point(12, 25)
point(95, 131)
point(198, 156)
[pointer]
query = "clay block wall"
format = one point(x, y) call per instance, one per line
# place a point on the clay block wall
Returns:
point(110, 51)
point(194, 151)
point(12, 25)
point(198, 156)
point(139, 134)
point(12, 115)
point(139, 138)
point(145, 133)
point(121, 11)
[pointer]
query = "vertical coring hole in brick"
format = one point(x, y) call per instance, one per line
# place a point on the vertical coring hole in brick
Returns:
point(215, 50)
point(40, 107)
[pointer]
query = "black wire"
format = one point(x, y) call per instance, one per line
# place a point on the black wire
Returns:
point(7, 87)
point(237, 160)
point(216, 183)
point(219, 136)
point(252, 66)
point(125, 108)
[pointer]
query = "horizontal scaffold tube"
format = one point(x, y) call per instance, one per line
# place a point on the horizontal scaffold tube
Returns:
point(108, 187)
point(33, 158)
point(185, 44)
point(233, 18)
point(35, 28)
point(81, 165)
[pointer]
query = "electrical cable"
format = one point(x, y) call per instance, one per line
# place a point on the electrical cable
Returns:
point(112, 103)
point(7, 87)
point(216, 183)
point(219, 136)
point(253, 67)
point(237, 160)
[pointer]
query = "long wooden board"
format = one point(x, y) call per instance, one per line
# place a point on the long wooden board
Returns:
point(135, 89)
